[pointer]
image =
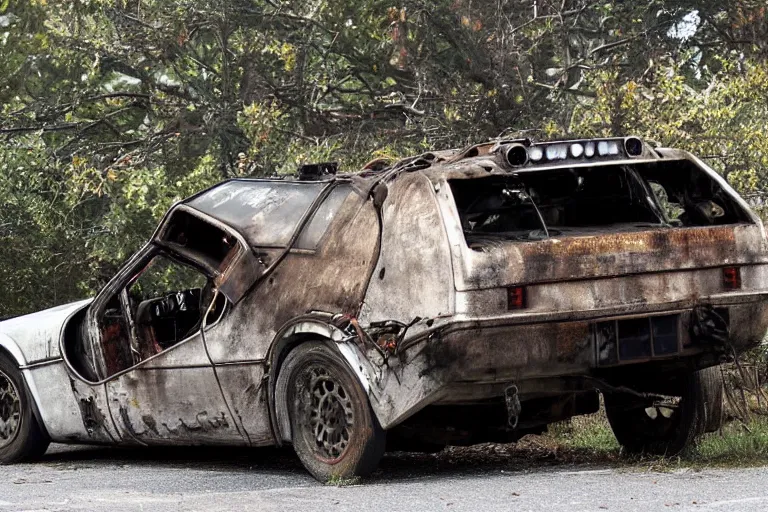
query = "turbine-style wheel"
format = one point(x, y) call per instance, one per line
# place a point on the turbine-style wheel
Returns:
point(666, 428)
point(21, 437)
point(334, 431)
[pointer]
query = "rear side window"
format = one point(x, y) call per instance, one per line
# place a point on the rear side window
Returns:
point(316, 228)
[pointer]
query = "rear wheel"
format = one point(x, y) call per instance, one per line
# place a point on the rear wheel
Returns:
point(662, 429)
point(333, 429)
point(711, 380)
point(21, 437)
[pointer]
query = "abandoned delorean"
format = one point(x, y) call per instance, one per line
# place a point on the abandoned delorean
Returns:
point(450, 298)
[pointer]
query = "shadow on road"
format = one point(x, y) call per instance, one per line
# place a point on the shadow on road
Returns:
point(470, 461)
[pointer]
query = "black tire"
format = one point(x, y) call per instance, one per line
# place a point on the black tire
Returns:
point(712, 392)
point(640, 432)
point(333, 429)
point(24, 439)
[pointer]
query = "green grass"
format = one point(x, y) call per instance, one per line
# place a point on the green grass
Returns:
point(590, 438)
point(737, 444)
point(592, 434)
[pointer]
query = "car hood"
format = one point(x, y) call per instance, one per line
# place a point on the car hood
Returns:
point(36, 335)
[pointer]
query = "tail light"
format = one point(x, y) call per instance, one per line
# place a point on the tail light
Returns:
point(732, 278)
point(516, 297)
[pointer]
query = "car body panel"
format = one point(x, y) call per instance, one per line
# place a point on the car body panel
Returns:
point(332, 279)
point(37, 335)
point(415, 269)
point(172, 406)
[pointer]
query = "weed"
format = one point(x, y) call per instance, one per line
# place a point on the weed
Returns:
point(339, 481)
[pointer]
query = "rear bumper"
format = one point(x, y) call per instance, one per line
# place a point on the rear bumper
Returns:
point(564, 343)
point(472, 359)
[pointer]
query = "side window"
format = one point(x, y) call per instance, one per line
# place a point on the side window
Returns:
point(161, 306)
point(690, 197)
point(167, 302)
point(318, 225)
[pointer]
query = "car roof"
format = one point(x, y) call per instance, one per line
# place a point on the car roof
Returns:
point(234, 200)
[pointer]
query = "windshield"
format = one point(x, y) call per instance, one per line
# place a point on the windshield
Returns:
point(582, 201)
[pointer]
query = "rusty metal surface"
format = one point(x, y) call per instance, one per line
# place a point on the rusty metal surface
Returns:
point(639, 291)
point(245, 389)
point(332, 279)
point(487, 352)
point(610, 254)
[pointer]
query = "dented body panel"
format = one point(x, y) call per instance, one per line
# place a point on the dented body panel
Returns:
point(445, 280)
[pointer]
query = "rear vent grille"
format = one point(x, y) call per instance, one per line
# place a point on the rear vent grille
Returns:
point(635, 339)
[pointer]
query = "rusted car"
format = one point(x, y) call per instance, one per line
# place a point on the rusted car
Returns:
point(454, 297)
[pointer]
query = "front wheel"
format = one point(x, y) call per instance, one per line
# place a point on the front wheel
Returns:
point(333, 429)
point(21, 437)
point(662, 429)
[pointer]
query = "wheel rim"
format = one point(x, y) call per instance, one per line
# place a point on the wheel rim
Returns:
point(660, 412)
point(661, 419)
point(10, 410)
point(330, 420)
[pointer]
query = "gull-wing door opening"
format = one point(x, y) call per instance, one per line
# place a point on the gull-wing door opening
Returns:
point(222, 251)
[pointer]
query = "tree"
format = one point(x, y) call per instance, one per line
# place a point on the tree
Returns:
point(114, 109)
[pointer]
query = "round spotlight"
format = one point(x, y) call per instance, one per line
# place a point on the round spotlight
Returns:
point(557, 152)
point(633, 146)
point(577, 150)
point(517, 155)
point(535, 153)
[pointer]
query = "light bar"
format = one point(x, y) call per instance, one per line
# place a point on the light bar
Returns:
point(519, 154)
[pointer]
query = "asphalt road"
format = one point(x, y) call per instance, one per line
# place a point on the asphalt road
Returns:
point(191, 479)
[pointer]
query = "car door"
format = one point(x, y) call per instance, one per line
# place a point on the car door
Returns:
point(160, 382)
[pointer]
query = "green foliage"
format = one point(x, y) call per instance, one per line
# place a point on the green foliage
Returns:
point(723, 122)
point(112, 110)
